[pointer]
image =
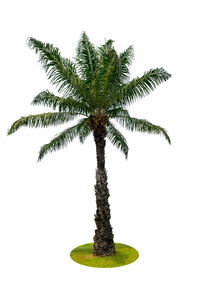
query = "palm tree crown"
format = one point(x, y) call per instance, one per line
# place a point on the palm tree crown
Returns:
point(97, 86)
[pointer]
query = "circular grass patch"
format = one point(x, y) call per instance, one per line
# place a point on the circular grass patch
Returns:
point(124, 255)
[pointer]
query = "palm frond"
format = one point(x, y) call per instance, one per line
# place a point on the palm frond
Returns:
point(126, 58)
point(107, 79)
point(61, 71)
point(103, 49)
point(61, 140)
point(117, 139)
point(86, 58)
point(113, 113)
point(140, 87)
point(84, 130)
point(42, 120)
point(142, 125)
point(102, 53)
point(110, 74)
point(68, 104)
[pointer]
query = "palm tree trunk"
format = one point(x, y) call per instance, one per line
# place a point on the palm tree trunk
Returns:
point(103, 238)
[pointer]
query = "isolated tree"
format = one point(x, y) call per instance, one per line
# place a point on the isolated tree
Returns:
point(97, 86)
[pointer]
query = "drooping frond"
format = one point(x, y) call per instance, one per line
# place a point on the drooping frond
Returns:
point(62, 139)
point(42, 120)
point(117, 139)
point(126, 58)
point(140, 87)
point(84, 130)
point(86, 58)
point(113, 113)
point(142, 125)
point(48, 99)
point(61, 71)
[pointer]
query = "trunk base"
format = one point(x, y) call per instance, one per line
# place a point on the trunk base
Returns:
point(103, 247)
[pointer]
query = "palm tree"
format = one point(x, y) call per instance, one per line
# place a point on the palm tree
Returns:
point(97, 86)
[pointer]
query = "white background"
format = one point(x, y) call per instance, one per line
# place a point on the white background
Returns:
point(47, 208)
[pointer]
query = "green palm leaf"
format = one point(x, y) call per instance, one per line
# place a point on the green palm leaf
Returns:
point(48, 99)
point(142, 125)
point(62, 139)
point(104, 49)
point(113, 113)
point(42, 120)
point(107, 77)
point(86, 58)
point(84, 130)
point(140, 87)
point(126, 58)
point(100, 68)
point(61, 71)
point(117, 139)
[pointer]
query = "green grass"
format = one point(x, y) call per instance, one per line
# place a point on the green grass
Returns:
point(124, 256)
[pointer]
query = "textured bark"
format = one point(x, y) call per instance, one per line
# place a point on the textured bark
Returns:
point(103, 238)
